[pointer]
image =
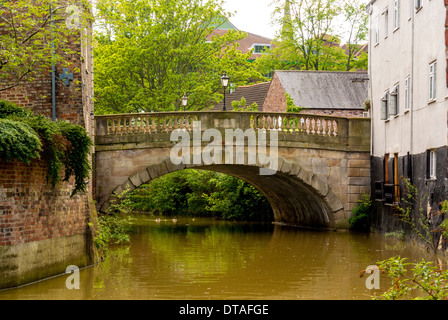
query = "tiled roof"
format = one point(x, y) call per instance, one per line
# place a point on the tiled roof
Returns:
point(253, 93)
point(245, 45)
point(325, 89)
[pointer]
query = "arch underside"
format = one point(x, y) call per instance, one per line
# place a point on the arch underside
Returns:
point(296, 196)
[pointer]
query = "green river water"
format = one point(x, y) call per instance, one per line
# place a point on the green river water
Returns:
point(199, 259)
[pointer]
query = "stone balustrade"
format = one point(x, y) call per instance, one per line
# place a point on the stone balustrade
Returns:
point(150, 123)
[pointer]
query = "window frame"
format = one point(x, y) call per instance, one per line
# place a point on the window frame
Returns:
point(407, 94)
point(377, 30)
point(418, 4)
point(385, 101)
point(264, 47)
point(431, 164)
point(396, 14)
point(432, 81)
point(394, 101)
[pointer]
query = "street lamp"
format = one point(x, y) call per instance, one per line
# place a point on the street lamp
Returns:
point(184, 100)
point(225, 83)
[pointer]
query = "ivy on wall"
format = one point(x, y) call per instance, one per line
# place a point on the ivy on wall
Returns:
point(61, 144)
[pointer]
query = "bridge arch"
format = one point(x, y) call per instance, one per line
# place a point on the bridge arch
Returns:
point(297, 196)
point(323, 169)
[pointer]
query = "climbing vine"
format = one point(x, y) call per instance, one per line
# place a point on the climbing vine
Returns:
point(61, 144)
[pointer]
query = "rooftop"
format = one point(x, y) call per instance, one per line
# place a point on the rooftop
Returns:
point(253, 93)
point(325, 89)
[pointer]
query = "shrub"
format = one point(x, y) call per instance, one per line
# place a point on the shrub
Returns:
point(18, 141)
point(423, 278)
point(8, 109)
point(360, 219)
point(24, 137)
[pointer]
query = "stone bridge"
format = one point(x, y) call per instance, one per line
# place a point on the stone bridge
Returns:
point(322, 169)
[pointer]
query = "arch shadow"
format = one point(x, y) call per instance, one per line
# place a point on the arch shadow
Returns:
point(297, 197)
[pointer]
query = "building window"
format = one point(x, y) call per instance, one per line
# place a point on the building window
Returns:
point(396, 14)
point(377, 30)
point(394, 101)
point(431, 164)
point(407, 93)
point(418, 4)
point(261, 48)
point(385, 106)
point(432, 81)
point(386, 23)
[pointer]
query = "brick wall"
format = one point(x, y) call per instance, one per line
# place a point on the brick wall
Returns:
point(31, 210)
point(275, 98)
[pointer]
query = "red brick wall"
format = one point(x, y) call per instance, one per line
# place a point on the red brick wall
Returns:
point(31, 210)
point(275, 98)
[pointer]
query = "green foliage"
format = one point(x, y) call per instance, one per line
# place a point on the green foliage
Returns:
point(242, 106)
point(423, 279)
point(18, 141)
point(234, 199)
point(202, 193)
point(360, 219)
point(61, 144)
point(310, 37)
point(149, 52)
point(35, 36)
point(76, 159)
point(9, 109)
point(116, 225)
point(290, 106)
point(420, 223)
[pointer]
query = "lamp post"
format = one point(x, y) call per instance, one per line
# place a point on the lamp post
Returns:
point(225, 83)
point(184, 100)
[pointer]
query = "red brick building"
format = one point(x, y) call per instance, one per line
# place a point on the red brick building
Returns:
point(319, 92)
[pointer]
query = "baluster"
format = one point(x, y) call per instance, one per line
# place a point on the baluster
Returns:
point(324, 127)
point(335, 128)
point(313, 125)
point(318, 124)
point(110, 126)
point(147, 128)
point(288, 124)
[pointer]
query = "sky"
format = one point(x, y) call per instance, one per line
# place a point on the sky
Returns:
point(252, 16)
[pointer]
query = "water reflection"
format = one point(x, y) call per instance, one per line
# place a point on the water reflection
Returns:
point(206, 259)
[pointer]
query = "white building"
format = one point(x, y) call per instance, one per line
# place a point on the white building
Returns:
point(408, 95)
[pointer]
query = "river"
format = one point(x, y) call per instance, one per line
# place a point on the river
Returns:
point(202, 259)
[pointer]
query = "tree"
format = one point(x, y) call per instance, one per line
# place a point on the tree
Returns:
point(309, 37)
point(354, 13)
point(149, 52)
point(34, 37)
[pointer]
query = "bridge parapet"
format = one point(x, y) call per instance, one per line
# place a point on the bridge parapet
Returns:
point(314, 130)
point(167, 121)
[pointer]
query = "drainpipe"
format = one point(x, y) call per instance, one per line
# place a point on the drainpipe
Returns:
point(53, 73)
point(411, 103)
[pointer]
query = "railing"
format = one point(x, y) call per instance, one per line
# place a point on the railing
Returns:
point(150, 123)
